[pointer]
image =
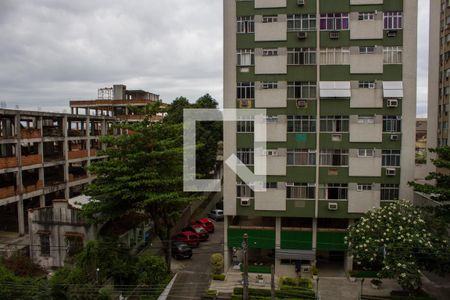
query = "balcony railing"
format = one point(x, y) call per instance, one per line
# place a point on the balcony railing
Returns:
point(33, 187)
point(73, 132)
point(6, 192)
point(78, 154)
point(76, 177)
point(8, 162)
point(30, 133)
point(53, 132)
point(30, 160)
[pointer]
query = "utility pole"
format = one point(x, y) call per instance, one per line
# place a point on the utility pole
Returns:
point(272, 282)
point(245, 254)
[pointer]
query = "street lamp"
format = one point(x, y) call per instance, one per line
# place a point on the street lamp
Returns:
point(97, 270)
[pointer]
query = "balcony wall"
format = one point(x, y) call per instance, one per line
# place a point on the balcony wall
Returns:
point(271, 31)
point(34, 187)
point(30, 133)
point(30, 160)
point(8, 162)
point(366, 29)
point(6, 192)
point(78, 154)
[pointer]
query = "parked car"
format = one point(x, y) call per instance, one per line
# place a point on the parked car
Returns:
point(216, 214)
point(181, 250)
point(199, 230)
point(206, 223)
point(188, 237)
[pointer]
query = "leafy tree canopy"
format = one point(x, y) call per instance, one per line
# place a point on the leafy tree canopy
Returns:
point(397, 237)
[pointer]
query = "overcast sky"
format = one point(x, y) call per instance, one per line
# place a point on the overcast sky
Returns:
point(53, 51)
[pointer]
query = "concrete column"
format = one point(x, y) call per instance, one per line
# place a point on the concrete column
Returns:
point(66, 157)
point(20, 217)
point(42, 201)
point(314, 237)
point(277, 241)
point(348, 262)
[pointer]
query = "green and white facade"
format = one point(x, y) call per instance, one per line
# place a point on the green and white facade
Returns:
point(338, 80)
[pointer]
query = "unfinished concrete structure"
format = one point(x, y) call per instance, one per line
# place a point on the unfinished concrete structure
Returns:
point(118, 102)
point(43, 157)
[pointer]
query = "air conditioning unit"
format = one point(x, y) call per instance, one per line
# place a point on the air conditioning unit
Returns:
point(270, 152)
point(392, 33)
point(395, 137)
point(337, 137)
point(302, 104)
point(333, 206)
point(245, 201)
point(244, 103)
point(300, 2)
point(302, 35)
point(392, 103)
point(334, 35)
point(391, 171)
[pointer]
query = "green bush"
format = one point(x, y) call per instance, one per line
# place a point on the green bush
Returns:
point(295, 282)
point(216, 261)
point(220, 277)
point(282, 294)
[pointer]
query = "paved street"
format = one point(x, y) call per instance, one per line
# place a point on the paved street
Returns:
point(194, 274)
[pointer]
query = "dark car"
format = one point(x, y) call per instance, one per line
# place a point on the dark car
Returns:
point(181, 250)
point(199, 230)
point(206, 223)
point(187, 237)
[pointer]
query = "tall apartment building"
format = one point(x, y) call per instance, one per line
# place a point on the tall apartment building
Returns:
point(43, 157)
point(338, 80)
point(117, 102)
point(439, 73)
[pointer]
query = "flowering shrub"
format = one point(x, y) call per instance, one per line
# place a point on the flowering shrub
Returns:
point(398, 237)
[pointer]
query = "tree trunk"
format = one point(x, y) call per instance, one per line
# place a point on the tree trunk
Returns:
point(168, 250)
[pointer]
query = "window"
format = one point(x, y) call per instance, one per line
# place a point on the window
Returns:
point(392, 20)
point(301, 124)
point(269, 85)
point(366, 120)
point(334, 124)
point(333, 191)
point(245, 24)
point(390, 192)
point(366, 84)
point(243, 190)
point(363, 187)
point(391, 158)
point(270, 52)
point(300, 191)
point(334, 21)
point(302, 90)
point(366, 152)
point(270, 19)
point(392, 124)
point(334, 157)
point(271, 185)
point(246, 125)
point(366, 16)
point(366, 49)
point(335, 56)
point(393, 55)
point(74, 245)
point(246, 155)
point(245, 90)
point(45, 244)
point(304, 22)
point(301, 157)
point(301, 56)
point(245, 57)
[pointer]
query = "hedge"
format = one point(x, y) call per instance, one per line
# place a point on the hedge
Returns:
point(285, 293)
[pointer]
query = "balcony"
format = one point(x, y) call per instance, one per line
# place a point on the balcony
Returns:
point(77, 154)
point(30, 160)
point(271, 64)
point(8, 162)
point(363, 201)
point(366, 29)
point(366, 97)
point(30, 133)
point(276, 30)
point(276, 128)
point(33, 187)
point(76, 133)
point(93, 152)
point(270, 3)
point(275, 163)
point(6, 192)
point(366, 63)
point(273, 199)
point(362, 131)
point(53, 132)
point(276, 97)
point(76, 177)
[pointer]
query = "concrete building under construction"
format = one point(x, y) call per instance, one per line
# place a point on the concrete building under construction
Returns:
point(43, 157)
point(118, 102)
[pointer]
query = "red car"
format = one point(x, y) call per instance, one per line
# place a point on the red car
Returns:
point(199, 230)
point(188, 237)
point(206, 223)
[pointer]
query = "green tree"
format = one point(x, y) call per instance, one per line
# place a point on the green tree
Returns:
point(398, 238)
point(151, 270)
point(440, 191)
point(143, 173)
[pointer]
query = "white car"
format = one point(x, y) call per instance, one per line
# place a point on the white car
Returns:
point(216, 214)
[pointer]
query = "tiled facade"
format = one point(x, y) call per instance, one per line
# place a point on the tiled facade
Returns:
point(340, 100)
